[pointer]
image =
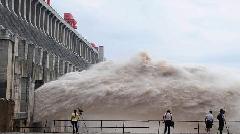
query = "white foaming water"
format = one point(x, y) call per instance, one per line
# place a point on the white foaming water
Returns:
point(141, 89)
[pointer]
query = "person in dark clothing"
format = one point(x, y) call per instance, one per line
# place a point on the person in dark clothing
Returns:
point(167, 118)
point(221, 119)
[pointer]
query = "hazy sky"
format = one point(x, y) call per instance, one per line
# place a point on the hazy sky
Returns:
point(183, 31)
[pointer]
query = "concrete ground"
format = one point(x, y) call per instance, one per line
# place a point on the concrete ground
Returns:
point(94, 133)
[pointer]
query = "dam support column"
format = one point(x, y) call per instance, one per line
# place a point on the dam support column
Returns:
point(61, 67)
point(6, 64)
point(66, 67)
point(56, 67)
point(45, 64)
point(6, 79)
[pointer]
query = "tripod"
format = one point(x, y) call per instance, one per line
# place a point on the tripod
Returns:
point(84, 124)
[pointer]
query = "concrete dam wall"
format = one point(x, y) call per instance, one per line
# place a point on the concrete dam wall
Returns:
point(36, 46)
point(7, 109)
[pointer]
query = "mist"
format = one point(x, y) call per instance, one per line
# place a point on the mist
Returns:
point(141, 89)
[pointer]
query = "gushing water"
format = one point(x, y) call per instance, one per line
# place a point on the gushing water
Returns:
point(141, 89)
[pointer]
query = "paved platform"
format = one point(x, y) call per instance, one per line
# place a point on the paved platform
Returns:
point(97, 133)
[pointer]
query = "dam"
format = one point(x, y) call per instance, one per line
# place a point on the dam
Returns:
point(36, 46)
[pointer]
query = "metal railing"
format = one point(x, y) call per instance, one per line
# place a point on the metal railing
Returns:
point(120, 126)
point(199, 127)
point(129, 126)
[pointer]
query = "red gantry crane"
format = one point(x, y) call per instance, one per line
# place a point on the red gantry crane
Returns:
point(68, 17)
point(48, 2)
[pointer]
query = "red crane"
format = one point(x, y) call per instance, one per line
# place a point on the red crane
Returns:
point(48, 2)
point(69, 19)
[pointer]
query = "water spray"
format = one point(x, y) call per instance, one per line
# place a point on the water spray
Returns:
point(141, 89)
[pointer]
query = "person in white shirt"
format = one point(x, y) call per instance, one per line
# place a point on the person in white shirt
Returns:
point(209, 121)
point(167, 118)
